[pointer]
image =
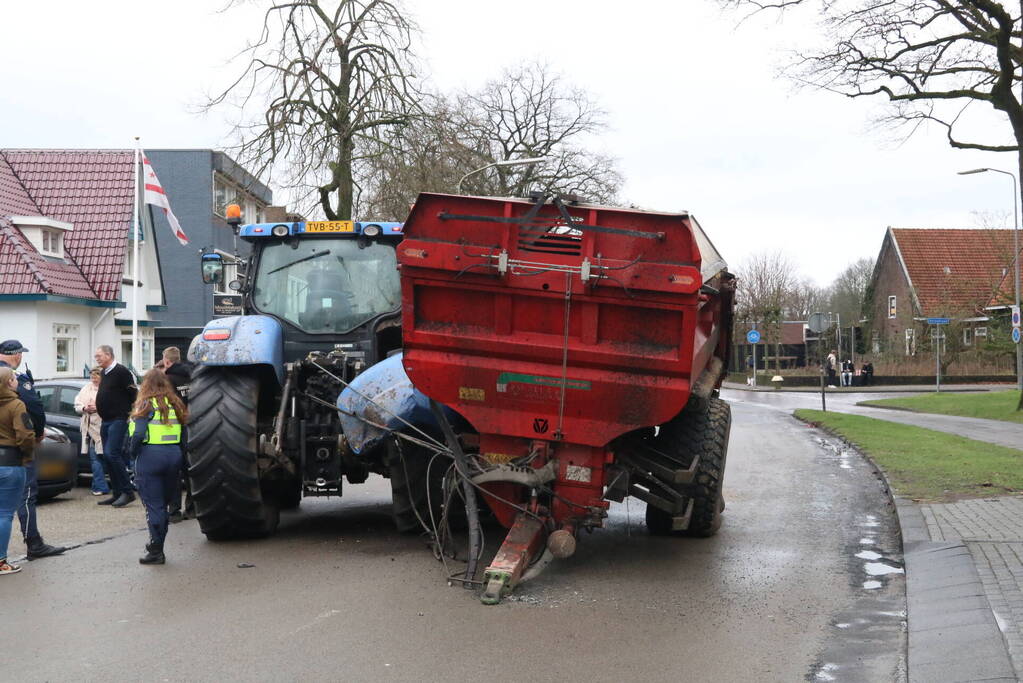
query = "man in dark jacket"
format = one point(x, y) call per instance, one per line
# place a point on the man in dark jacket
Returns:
point(116, 394)
point(10, 356)
point(180, 374)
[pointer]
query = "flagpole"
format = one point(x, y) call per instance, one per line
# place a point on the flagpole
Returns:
point(136, 351)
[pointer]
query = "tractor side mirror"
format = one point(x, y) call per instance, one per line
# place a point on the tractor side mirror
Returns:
point(212, 269)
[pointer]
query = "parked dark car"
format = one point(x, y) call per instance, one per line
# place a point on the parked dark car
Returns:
point(56, 466)
point(59, 401)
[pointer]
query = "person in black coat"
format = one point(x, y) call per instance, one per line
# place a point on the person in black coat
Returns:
point(114, 400)
point(180, 374)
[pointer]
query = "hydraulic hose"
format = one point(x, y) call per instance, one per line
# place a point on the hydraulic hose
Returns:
point(468, 491)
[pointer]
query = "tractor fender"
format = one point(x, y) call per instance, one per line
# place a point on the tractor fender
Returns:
point(246, 340)
point(383, 395)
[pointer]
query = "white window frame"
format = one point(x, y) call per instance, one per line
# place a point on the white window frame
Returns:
point(910, 341)
point(980, 332)
point(68, 333)
point(892, 310)
point(52, 243)
point(967, 336)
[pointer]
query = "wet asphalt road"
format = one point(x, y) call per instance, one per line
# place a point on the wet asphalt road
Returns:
point(778, 595)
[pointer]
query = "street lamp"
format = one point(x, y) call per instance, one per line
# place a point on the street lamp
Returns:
point(508, 162)
point(1015, 257)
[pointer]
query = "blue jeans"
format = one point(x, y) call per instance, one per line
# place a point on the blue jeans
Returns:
point(27, 510)
point(12, 493)
point(113, 432)
point(99, 477)
point(158, 476)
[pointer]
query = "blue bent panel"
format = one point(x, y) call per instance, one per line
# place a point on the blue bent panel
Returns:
point(380, 394)
point(254, 340)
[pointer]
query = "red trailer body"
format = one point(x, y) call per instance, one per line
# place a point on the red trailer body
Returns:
point(556, 329)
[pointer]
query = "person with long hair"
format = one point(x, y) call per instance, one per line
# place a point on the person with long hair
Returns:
point(17, 439)
point(156, 442)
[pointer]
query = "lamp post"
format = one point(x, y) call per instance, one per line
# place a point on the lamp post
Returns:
point(1015, 257)
point(508, 162)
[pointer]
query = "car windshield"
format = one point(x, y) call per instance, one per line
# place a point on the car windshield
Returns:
point(327, 285)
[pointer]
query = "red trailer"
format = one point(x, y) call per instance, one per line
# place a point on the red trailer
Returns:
point(585, 345)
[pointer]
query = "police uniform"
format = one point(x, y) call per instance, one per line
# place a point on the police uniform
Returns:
point(156, 446)
point(37, 412)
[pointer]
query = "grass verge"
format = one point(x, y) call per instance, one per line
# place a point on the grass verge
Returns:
point(924, 464)
point(991, 405)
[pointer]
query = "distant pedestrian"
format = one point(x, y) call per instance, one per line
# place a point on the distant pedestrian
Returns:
point(868, 373)
point(114, 400)
point(156, 440)
point(831, 365)
point(847, 372)
point(10, 356)
point(180, 374)
point(17, 439)
point(90, 426)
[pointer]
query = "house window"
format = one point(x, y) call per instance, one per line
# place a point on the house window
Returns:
point(980, 332)
point(891, 307)
point(64, 343)
point(53, 243)
point(910, 341)
point(967, 336)
point(875, 341)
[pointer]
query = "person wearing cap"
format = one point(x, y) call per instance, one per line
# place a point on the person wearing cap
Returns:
point(10, 357)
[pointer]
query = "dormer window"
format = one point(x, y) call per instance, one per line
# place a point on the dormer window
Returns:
point(45, 234)
point(53, 243)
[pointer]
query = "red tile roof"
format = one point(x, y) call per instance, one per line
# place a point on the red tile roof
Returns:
point(955, 272)
point(91, 189)
point(24, 271)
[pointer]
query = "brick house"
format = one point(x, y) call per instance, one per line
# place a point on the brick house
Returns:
point(65, 258)
point(962, 274)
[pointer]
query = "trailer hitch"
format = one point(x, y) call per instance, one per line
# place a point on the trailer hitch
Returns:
point(513, 557)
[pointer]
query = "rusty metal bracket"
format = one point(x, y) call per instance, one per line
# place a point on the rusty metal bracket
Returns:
point(512, 559)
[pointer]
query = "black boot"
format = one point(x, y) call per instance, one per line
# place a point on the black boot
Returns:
point(38, 549)
point(154, 554)
point(123, 499)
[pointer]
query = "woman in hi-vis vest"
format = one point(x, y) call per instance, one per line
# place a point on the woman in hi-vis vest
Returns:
point(156, 442)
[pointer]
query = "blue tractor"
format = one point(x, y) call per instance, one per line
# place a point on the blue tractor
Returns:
point(321, 303)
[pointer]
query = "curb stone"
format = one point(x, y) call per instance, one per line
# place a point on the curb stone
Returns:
point(953, 635)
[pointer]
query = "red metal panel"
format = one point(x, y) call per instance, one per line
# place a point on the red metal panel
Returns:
point(496, 315)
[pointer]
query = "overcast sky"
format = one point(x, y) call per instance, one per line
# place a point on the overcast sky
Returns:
point(699, 118)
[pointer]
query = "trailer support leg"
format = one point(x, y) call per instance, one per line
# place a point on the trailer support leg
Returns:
point(512, 559)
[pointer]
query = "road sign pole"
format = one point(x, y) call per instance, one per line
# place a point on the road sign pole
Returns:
point(754, 365)
point(937, 358)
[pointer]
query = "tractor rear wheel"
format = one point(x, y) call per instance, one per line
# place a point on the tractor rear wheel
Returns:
point(416, 486)
point(222, 450)
point(701, 430)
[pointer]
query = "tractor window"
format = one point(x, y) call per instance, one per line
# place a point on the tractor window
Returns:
point(327, 285)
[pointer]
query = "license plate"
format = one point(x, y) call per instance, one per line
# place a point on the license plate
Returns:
point(53, 470)
point(330, 226)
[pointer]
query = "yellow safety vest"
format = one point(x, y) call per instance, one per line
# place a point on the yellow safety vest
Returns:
point(158, 432)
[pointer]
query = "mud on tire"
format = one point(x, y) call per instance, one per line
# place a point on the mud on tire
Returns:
point(701, 429)
point(222, 448)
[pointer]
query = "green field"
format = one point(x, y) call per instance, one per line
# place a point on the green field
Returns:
point(993, 405)
point(923, 464)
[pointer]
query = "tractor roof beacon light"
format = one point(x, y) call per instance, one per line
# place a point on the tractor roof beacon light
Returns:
point(233, 214)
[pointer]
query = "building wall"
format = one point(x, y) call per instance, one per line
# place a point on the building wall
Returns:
point(890, 280)
point(188, 176)
point(39, 324)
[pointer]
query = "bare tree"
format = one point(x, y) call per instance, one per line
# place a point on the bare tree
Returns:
point(805, 299)
point(527, 112)
point(932, 59)
point(766, 282)
point(324, 79)
point(847, 294)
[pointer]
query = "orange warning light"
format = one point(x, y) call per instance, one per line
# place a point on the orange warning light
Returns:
point(233, 211)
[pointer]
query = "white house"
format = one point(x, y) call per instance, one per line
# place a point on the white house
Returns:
point(65, 259)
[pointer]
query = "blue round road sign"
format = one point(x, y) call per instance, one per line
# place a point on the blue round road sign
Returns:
point(753, 337)
point(1015, 334)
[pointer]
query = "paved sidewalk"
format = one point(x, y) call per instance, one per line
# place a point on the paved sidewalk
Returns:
point(964, 588)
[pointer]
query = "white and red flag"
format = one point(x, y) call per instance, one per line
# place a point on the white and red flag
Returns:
point(155, 195)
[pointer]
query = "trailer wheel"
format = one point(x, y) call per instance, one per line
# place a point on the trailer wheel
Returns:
point(222, 448)
point(700, 430)
point(414, 490)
